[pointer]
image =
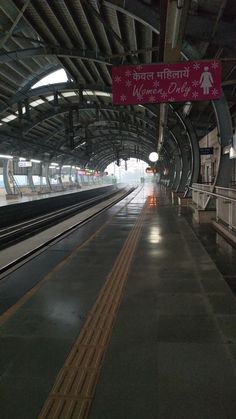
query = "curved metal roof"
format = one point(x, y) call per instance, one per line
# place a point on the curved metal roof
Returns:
point(75, 122)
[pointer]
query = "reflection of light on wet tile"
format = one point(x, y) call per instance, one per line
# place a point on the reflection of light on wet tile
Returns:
point(65, 313)
point(152, 201)
point(154, 235)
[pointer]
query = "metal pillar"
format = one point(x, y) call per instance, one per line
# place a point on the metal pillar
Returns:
point(46, 171)
point(184, 173)
point(225, 129)
point(70, 177)
point(76, 177)
point(177, 173)
point(178, 157)
point(59, 177)
point(6, 177)
point(195, 155)
point(194, 147)
point(185, 163)
point(172, 22)
point(30, 178)
point(172, 175)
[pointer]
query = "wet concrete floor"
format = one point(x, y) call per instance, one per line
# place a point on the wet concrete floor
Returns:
point(219, 249)
point(171, 351)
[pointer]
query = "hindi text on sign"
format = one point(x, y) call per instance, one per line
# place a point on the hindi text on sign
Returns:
point(156, 83)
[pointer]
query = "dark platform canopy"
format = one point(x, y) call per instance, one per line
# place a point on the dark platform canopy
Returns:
point(74, 121)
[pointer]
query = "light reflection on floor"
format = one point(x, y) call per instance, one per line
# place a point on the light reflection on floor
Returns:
point(152, 201)
point(222, 253)
point(154, 236)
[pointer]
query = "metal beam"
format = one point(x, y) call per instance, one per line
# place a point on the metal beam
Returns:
point(55, 51)
point(173, 20)
point(147, 138)
point(103, 161)
point(96, 129)
point(85, 107)
point(109, 145)
point(143, 13)
point(201, 29)
point(194, 146)
point(105, 24)
point(10, 31)
point(29, 144)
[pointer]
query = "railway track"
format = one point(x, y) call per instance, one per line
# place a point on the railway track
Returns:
point(21, 231)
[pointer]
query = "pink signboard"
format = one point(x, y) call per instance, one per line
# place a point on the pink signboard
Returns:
point(155, 83)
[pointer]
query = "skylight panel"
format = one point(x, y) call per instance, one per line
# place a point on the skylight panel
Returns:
point(49, 98)
point(9, 118)
point(36, 102)
point(97, 93)
point(69, 94)
point(58, 76)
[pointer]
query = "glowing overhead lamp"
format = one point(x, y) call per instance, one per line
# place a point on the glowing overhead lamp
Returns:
point(35, 161)
point(154, 156)
point(5, 156)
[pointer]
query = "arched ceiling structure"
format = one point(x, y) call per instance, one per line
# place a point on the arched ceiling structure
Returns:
point(76, 122)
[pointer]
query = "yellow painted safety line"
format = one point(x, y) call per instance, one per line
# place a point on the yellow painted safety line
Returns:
point(9, 312)
point(74, 388)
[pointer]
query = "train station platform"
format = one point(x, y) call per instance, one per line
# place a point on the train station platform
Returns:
point(128, 318)
point(43, 195)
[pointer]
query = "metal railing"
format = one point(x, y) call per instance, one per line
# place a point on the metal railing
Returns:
point(15, 187)
point(226, 207)
point(201, 193)
point(225, 199)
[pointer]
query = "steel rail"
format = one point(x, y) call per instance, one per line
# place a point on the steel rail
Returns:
point(34, 252)
point(213, 194)
point(51, 216)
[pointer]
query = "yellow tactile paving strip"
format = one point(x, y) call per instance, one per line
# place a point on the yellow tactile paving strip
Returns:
point(74, 388)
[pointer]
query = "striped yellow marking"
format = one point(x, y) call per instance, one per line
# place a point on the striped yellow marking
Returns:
point(74, 388)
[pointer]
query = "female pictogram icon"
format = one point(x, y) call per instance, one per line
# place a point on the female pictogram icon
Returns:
point(206, 80)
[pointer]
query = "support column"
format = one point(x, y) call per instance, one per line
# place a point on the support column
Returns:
point(46, 172)
point(185, 165)
point(171, 175)
point(177, 154)
point(194, 147)
point(225, 129)
point(172, 22)
point(76, 177)
point(70, 177)
point(7, 185)
point(195, 155)
point(30, 178)
point(178, 173)
point(59, 178)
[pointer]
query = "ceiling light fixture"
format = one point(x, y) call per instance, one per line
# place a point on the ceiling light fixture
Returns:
point(5, 156)
point(35, 161)
point(153, 157)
